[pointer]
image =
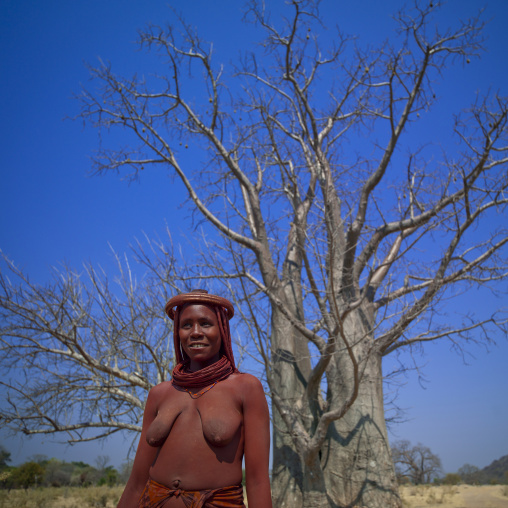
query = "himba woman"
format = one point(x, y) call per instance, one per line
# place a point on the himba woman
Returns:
point(198, 426)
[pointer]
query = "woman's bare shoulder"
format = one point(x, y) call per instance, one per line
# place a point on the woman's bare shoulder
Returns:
point(161, 390)
point(247, 382)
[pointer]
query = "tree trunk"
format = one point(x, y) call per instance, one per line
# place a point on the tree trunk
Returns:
point(314, 485)
point(356, 458)
point(287, 474)
point(290, 371)
point(354, 468)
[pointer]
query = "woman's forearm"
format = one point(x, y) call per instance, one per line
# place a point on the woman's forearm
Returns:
point(259, 494)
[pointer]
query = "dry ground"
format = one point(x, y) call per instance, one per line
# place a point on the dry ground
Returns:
point(422, 496)
point(62, 497)
point(461, 496)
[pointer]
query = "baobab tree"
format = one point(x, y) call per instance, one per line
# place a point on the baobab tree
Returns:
point(339, 237)
point(415, 463)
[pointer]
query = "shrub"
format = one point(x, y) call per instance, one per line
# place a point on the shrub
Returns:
point(26, 475)
point(451, 479)
point(109, 477)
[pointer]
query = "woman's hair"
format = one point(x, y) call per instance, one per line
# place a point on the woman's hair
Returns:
point(223, 309)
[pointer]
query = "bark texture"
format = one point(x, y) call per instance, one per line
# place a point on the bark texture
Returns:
point(365, 476)
point(289, 376)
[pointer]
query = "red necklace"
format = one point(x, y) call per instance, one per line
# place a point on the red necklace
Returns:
point(201, 378)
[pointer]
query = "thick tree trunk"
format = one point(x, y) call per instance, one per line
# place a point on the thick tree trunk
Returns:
point(354, 468)
point(357, 460)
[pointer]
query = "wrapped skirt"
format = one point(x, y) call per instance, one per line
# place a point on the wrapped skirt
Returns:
point(155, 495)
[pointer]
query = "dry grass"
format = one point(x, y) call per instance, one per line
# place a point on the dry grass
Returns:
point(461, 496)
point(62, 497)
point(421, 496)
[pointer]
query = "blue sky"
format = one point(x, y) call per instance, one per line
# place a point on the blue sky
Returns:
point(52, 210)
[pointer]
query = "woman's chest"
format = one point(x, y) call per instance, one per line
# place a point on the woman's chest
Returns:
point(214, 417)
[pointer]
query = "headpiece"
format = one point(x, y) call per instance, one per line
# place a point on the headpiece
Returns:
point(198, 296)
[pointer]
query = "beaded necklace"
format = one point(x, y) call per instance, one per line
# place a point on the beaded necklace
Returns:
point(202, 392)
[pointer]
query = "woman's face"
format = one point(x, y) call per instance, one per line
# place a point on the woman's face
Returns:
point(200, 335)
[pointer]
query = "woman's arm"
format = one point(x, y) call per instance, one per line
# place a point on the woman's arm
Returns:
point(257, 443)
point(145, 454)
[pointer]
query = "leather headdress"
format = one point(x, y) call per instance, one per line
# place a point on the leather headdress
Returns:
point(226, 365)
point(200, 297)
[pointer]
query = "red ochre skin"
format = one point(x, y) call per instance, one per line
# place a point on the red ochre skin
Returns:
point(198, 444)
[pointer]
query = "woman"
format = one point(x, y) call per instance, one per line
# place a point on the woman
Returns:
point(198, 426)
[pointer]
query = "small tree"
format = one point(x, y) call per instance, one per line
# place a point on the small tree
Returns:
point(109, 477)
point(417, 463)
point(87, 476)
point(470, 474)
point(27, 475)
point(57, 473)
point(451, 479)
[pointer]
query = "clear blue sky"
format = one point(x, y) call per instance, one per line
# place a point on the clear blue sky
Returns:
point(51, 209)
